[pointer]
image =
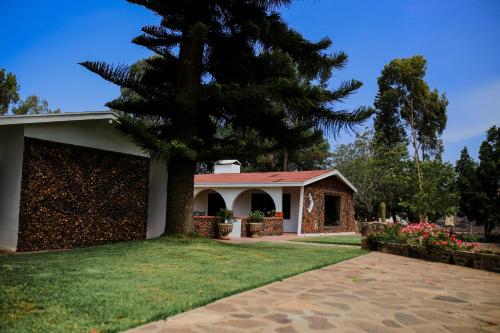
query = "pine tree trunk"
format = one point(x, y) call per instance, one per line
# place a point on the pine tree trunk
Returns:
point(285, 160)
point(181, 170)
point(180, 198)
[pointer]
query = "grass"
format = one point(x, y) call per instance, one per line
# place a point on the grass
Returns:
point(341, 239)
point(113, 287)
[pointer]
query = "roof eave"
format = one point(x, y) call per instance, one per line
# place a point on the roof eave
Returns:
point(56, 117)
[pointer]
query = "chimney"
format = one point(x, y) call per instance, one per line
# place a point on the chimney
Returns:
point(227, 166)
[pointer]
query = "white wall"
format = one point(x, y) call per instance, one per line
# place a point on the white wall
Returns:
point(11, 161)
point(99, 134)
point(291, 225)
point(243, 204)
point(157, 199)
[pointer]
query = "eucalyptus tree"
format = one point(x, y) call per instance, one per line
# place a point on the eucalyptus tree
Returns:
point(222, 64)
point(407, 110)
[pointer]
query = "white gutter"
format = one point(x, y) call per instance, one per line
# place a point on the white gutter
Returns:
point(56, 117)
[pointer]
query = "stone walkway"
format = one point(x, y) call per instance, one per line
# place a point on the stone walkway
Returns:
point(373, 293)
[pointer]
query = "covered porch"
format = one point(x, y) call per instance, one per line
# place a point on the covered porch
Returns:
point(279, 204)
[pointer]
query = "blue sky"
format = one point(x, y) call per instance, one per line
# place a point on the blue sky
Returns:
point(42, 41)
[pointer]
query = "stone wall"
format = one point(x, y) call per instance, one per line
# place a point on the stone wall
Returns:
point(313, 222)
point(271, 226)
point(206, 226)
point(73, 196)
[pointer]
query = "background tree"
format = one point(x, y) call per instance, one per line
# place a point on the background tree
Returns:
point(379, 173)
point(488, 174)
point(356, 162)
point(308, 150)
point(407, 109)
point(33, 105)
point(8, 91)
point(219, 64)
point(438, 197)
point(467, 184)
point(9, 98)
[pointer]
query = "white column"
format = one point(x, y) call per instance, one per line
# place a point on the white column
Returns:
point(157, 200)
point(301, 210)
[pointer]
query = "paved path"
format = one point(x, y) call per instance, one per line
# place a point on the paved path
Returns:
point(372, 293)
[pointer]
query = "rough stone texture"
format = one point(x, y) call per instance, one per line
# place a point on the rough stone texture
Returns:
point(271, 226)
point(373, 293)
point(206, 226)
point(313, 222)
point(74, 196)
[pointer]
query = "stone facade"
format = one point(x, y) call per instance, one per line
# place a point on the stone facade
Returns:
point(313, 222)
point(73, 196)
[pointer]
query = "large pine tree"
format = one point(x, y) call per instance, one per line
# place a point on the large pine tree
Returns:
point(467, 184)
point(488, 174)
point(222, 63)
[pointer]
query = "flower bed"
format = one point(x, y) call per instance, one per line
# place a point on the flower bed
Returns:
point(430, 242)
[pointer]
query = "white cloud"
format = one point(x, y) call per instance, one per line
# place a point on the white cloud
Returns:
point(472, 113)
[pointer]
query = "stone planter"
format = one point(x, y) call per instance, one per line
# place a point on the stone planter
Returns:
point(224, 230)
point(254, 229)
point(371, 227)
point(489, 262)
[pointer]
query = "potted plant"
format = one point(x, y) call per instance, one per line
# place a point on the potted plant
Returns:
point(255, 225)
point(226, 226)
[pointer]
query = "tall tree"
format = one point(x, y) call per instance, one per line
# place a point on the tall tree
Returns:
point(8, 91)
point(407, 109)
point(488, 174)
point(223, 64)
point(467, 184)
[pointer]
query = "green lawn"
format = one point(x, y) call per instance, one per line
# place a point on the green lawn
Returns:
point(117, 286)
point(341, 239)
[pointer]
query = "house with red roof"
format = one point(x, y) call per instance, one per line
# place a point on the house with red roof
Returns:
point(301, 202)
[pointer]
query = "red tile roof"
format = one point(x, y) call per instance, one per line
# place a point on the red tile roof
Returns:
point(259, 177)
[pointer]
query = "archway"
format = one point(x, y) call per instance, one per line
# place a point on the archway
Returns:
point(254, 199)
point(208, 203)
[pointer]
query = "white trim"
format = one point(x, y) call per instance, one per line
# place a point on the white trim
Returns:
point(56, 117)
point(301, 208)
point(281, 184)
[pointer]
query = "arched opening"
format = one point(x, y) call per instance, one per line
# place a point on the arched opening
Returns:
point(208, 203)
point(251, 200)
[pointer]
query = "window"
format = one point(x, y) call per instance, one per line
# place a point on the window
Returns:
point(215, 203)
point(286, 206)
point(332, 210)
point(263, 202)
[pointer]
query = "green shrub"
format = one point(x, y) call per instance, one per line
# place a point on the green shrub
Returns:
point(226, 215)
point(256, 216)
